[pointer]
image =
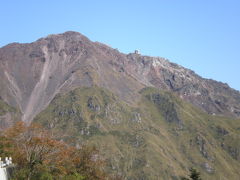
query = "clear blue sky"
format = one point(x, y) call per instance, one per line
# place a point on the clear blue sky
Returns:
point(203, 35)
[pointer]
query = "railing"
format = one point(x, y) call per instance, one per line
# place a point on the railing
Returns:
point(5, 163)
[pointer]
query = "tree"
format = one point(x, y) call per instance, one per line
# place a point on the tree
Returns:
point(38, 155)
point(194, 175)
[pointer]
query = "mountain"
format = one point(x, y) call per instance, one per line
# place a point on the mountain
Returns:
point(151, 118)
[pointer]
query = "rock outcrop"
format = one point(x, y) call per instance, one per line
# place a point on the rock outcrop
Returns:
point(31, 75)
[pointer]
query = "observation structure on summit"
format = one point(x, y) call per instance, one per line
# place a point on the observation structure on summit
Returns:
point(136, 51)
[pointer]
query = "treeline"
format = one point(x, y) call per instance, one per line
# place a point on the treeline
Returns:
point(38, 155)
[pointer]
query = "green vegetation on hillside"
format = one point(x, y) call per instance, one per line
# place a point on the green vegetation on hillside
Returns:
point(8, 115)
point(4, 108)
point(159, 138)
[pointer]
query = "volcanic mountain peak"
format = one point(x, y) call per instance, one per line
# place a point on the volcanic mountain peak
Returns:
point(32, 74)
point(132, 107)
point(68, 35)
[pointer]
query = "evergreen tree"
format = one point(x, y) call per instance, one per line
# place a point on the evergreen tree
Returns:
point(194, 175)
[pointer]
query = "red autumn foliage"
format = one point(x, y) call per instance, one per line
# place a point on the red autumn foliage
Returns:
point(35, 151)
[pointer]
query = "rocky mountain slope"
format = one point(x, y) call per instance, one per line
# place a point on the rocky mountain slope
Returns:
point(137, 106)
point(32, 74)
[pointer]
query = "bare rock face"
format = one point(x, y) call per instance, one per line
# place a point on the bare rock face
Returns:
point(209, 95)
point(32, 74)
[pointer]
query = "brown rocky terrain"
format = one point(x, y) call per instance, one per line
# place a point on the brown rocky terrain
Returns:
point(32, 74)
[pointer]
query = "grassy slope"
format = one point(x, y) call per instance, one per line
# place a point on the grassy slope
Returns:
point(160, 138)
point(8, 115)
point(4, 108)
